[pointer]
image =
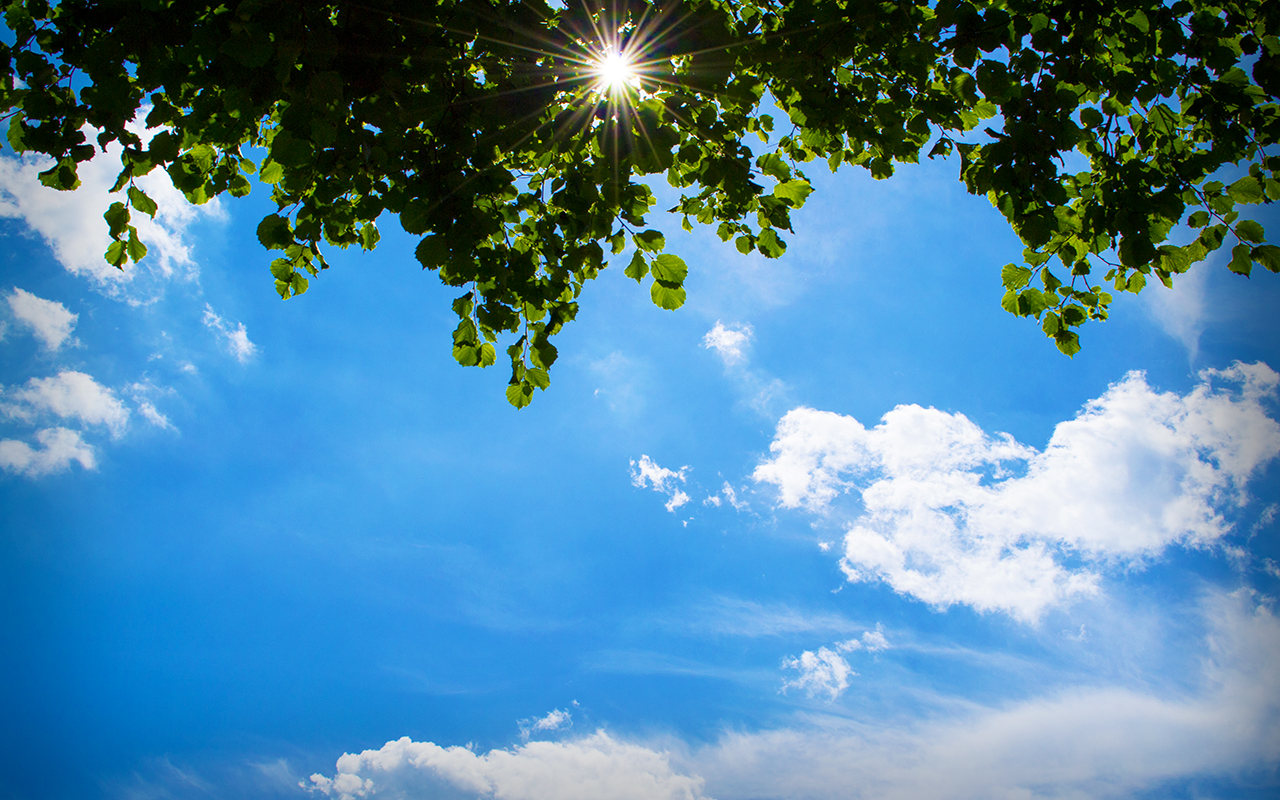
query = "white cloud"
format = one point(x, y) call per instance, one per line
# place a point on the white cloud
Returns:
point(59, 447)
point(871, 641)
point(72, 224)
point(822, 673)
point(1082, 742)
point(69, 395)
point(597, 767)
point(729, 343)
point(234, 338)
point(148, 410)
point(1180, 311)
point(51, 322)
point(946, 521)
point(555, 719)
point(646, 472)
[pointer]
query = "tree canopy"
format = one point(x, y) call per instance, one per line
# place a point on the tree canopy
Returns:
point(517, 139)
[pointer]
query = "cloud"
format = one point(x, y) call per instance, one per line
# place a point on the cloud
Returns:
point(822, 673)
point(71, 223)
point(59, 447)
point(729, 343)
point(51, 322)
point(646, 472)
point(597, 767)
point(1081, 742)
point(234, 338)
point(69, 395)
point(871, 641)
point(953, 515)
point(1180, 311)
point(555, 719)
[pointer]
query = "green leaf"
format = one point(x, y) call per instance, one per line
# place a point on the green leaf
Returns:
point(117, 217)
point(670, 269)
point(116, 254)
point(1268, 255)
point(1068, 342)
point(667, 295)
point(142, 202)
point(638, 267)
point(1250, 231)
point(1014, 277)
point(432, 252)
point(1246, 190)
point(137, 250)
point(773, 165)
point(794, 192)
point(1241, 260)
point(652, 241)
point(271, 172)
point(519, 394)
point(275, 232)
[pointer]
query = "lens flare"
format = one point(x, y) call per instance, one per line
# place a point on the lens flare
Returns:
point(616, 72)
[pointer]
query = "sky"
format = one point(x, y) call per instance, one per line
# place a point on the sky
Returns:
point(838, 528)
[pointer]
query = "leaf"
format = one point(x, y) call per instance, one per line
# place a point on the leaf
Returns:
point(773, 165)
point(667, 295)
point(1268, 255)
point(519, 394)
point(1246, 190)
point(1250, 231)
point(117, 217)
point(638, 268)
point(137, 250)
point(1241, 260)
point(1068, 342)
point(670, 269)
point(275, 232)
point(1014, 277)
point(432, 252)
point(271, 172)
point(142, 202)
point(116, 255)
point(794, 192)
point(652, 241)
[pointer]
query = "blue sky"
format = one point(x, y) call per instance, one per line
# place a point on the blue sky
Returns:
point(840, 527)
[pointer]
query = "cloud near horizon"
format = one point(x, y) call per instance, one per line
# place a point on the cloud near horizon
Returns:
point(952, 515)
point(1081, 741)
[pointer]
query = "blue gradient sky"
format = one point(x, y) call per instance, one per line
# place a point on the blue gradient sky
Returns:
point(317, 534)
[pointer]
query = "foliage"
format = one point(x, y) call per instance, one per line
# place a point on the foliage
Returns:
point(1094, 127)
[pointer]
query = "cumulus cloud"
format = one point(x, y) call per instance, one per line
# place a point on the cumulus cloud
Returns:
point(822, 673)
point(597, 767)
point(234, 337)
point(69, 395)
point(1081, 742)
point(72, 224)
point(728, 343)
point(646, 472)
point(58, 448)
point(954, 515)
point(871, 641)
point(51, 322)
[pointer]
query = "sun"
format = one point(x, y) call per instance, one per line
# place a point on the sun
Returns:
point(616, 71)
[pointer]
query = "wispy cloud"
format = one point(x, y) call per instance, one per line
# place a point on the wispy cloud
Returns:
point(946, 519)
point(233, 337)
point(646, 472)
point(1087, 741)
point(555, 720)
point(50, 321)
point(1180, 311)
point(759, 391)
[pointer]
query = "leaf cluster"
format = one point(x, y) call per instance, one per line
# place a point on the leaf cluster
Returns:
point(479, 126)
